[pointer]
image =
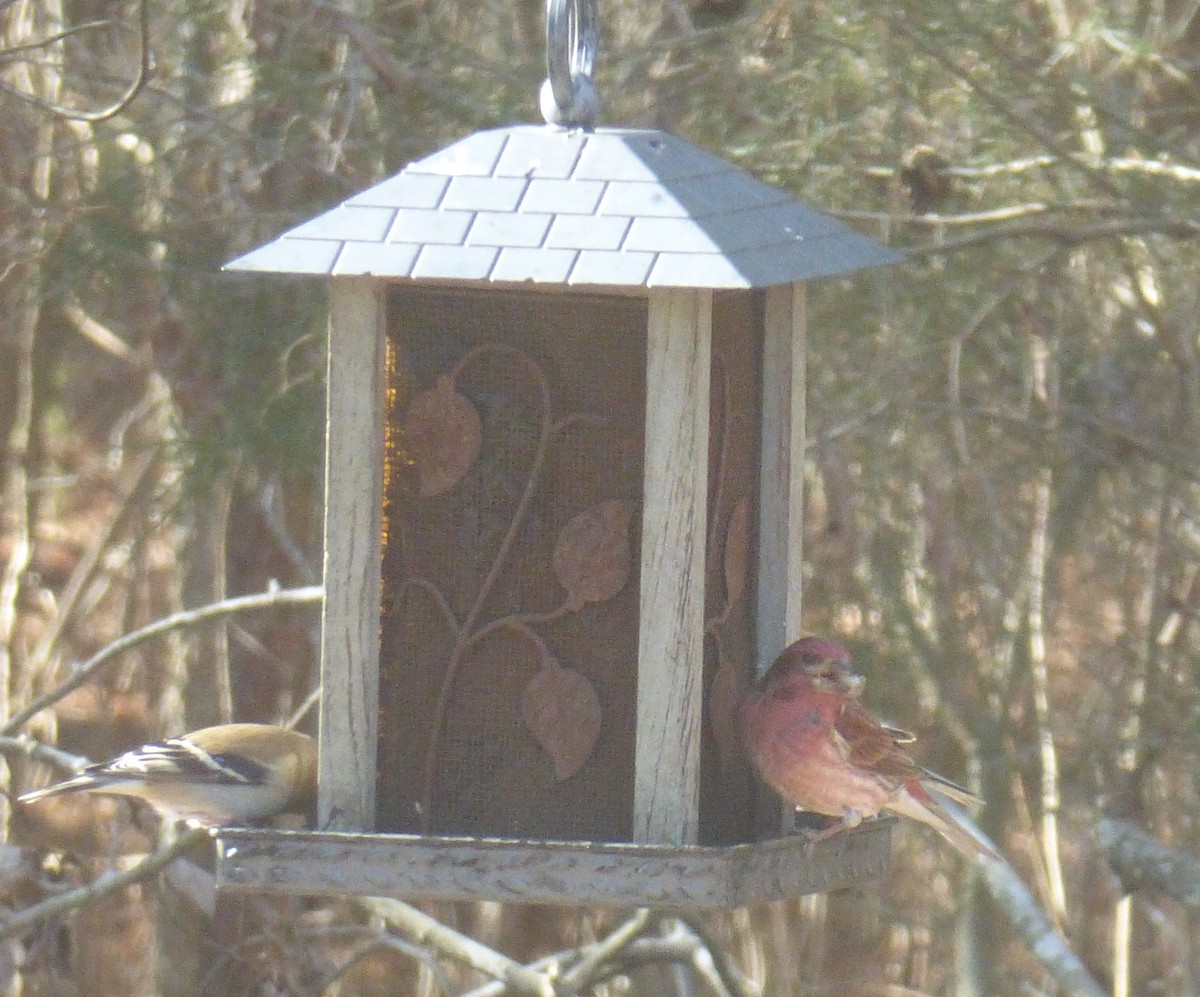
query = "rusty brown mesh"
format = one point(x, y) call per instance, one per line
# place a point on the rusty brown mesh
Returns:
point(477, 604)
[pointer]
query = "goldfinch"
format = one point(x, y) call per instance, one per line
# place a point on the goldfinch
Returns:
point(219, 775)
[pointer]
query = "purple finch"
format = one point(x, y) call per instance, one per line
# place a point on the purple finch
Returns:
point(817, 746)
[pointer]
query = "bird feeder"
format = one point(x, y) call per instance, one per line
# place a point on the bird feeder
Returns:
point(562, 520)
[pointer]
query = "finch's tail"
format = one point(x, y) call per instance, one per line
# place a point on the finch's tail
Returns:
point(78, 784)
point(941, 787)
point(932, 805)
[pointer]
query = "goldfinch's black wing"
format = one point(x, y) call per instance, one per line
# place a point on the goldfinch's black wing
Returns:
point(178, 759)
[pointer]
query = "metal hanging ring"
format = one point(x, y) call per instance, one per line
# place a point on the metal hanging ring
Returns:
point(571, 43)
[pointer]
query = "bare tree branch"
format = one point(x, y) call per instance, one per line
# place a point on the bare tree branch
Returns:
point(1039, 548)
point(187, 618)
point(1141, 862)
point(425, 956)
point(121, 103)
point(594, 956)
point(9, 51)
point(423, 929)
point(27, 747)
point(85, 570)
point(22, 920)
point(678, 947)
point(728, 983)
point(1065, 233)
point(1034, 928)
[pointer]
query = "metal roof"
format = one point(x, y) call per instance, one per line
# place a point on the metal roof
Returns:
point(613, 207)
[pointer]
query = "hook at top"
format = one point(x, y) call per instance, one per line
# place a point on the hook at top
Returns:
point(569, 97)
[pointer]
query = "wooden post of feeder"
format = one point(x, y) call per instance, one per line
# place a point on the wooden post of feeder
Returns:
point(781, 473)
point(671, 628)
point(780, 497)
point(353, 542)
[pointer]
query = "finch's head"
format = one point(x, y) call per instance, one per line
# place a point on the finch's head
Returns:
point(826, 662)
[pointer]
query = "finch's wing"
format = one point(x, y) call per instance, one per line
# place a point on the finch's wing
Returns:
point(180, 760)
point(876, 746)
point(873, 745)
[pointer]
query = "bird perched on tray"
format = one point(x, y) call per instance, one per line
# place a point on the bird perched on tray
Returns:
point(817, 746)
point(221, 775)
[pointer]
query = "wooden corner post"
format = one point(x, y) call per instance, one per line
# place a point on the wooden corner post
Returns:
point(780, 500)
point(355, 408)
point(781, 474)
point(671, 617)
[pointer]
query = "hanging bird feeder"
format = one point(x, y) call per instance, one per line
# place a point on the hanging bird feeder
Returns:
point(563, 518)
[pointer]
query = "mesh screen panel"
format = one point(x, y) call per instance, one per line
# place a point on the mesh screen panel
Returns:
point(514, 419)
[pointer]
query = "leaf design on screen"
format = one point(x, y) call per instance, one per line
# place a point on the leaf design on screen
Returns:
point(446, 434)
point(562, 710)
point(737, 551)
point(723, 700)
point(591, 556)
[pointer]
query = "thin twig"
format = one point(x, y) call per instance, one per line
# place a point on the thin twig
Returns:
point(278, 528)
point(730, 979)
point(1063, 233)
point(426, 930)
point(642, 952)
point(394, 74)
point(27, 747)
point(176, 621)
point(425, 956)
point(932, 219)
point(584, 971)
point(1122, 934)
point(135, 87)
point(302, 710)
point(152, 863)
point(101, 336)
point(1039, 549)
point(10, 51)
point(85, 570)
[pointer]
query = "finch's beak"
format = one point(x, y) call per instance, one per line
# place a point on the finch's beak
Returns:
point(843, 683)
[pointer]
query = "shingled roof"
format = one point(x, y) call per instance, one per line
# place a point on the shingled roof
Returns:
point(613, 207)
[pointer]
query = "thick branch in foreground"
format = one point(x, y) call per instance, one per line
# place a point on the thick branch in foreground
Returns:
point(1141, 862)
point(1031, 924)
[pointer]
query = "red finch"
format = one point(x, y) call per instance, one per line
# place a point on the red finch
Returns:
point(218, 775)
point(811, 741)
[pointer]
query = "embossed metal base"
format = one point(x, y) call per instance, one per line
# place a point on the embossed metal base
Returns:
point(401, 866)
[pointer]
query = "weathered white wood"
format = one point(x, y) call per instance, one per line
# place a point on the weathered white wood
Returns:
point(671, 621)
point(781, 474)
point(578, 873)
point(353, 522)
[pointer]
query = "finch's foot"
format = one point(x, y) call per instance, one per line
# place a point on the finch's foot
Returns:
point(814, 836)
